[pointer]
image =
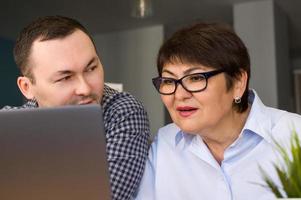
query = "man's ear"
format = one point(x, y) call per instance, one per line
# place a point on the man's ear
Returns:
point(25, 85)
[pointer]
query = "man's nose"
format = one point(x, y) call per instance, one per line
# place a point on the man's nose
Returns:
point(83, 88)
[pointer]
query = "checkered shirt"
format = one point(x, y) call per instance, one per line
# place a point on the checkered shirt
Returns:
point(127, 136)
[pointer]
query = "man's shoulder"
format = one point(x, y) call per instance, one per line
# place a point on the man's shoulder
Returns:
point(119, 101)
point(28, 104)
point(122, 107)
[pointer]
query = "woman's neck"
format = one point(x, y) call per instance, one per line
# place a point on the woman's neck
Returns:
point(218, 139)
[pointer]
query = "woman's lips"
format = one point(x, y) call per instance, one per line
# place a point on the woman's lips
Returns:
point(186, 111)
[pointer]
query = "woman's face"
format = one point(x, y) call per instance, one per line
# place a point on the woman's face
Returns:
point(203, 111)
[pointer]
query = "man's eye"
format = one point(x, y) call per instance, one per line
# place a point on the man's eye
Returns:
point(92, 68)
point(65, 78)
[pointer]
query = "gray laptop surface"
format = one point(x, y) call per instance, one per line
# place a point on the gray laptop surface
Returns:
point(53, 154)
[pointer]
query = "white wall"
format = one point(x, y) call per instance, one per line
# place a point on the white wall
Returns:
point(129, 57)
point(254, 23)
point(283, 62)
point(263, 28)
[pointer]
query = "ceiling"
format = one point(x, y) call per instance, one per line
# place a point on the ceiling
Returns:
point(109, 15)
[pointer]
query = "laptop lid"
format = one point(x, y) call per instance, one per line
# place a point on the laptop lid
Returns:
point(53, 154)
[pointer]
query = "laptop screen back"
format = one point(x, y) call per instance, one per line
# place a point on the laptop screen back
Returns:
point(53, 154)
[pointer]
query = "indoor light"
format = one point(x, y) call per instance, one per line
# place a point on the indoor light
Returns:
point(141, 8)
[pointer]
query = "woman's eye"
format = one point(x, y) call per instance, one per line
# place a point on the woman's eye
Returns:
point(196, 78)
point(167, 82)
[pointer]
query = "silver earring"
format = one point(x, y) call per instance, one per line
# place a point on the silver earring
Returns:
point(237, 100)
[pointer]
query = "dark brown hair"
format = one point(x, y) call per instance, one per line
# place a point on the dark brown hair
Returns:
point(43, 28)
point(210, 44)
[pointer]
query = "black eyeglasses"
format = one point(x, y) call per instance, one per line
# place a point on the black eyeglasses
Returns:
point(196, 82)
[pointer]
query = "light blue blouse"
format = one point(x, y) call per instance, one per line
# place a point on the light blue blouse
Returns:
point(181, 167)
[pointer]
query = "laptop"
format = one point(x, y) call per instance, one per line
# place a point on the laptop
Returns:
point(53, 154)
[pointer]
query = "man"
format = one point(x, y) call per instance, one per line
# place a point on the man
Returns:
point(60, 66)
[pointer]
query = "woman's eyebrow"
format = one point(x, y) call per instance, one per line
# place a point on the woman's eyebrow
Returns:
point(167, 71)
point(188, 71)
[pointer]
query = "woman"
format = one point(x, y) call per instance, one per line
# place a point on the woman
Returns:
point(222, 133)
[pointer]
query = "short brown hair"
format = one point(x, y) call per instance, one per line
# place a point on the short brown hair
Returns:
point(43, 28)
point(210, 44)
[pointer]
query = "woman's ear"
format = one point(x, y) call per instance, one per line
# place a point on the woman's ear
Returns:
point(240, 84)
point(25, 85)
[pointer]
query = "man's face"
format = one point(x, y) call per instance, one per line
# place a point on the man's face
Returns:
point(66, 71)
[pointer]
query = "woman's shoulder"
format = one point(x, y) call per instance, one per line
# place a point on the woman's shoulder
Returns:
point(167, 134)
point(169, 130)
point(285, 125)
point(288, 119)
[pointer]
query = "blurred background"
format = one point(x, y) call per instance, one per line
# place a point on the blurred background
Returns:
point(128, 34)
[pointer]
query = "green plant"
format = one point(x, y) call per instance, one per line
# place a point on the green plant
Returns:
point(290, 172)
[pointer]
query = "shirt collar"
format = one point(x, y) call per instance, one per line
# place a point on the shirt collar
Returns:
point(182, 139)
point(258, 121)
point(108, 95)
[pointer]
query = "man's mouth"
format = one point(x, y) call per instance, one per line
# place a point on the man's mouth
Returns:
point(87, 101)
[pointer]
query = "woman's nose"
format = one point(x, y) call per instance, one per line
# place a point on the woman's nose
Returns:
point(181, 92)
